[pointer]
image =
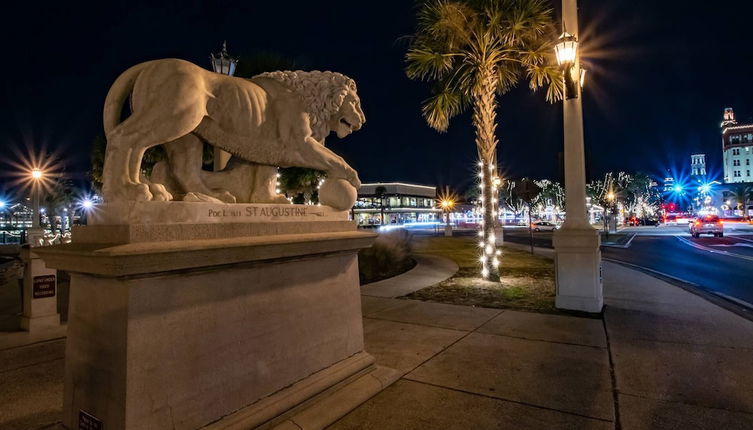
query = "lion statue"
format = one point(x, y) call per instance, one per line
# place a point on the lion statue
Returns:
point(274, 119)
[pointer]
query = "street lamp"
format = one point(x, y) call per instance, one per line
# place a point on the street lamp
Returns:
point(35, 234)
point(224, 64)
point(36, 177)
point(577, 243)
point(447, 204)
point(566, 51)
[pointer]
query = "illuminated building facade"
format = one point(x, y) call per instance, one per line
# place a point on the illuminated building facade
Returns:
point(737, 147)
point(698, 165)
point(402, 203)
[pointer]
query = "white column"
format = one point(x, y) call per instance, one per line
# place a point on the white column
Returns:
point(576, 244)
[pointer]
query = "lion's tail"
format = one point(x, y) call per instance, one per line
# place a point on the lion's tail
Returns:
point(118, 94)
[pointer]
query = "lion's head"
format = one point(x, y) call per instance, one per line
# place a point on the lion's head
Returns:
point(329, 98)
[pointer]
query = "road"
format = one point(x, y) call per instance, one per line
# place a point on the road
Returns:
point(721, 266)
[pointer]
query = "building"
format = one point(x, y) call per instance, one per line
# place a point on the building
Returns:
point(698, 165)
point(737, 149)
point(401, 203)
point(669, 183)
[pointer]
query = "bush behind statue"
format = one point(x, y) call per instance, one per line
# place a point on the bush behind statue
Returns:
point(387, 257)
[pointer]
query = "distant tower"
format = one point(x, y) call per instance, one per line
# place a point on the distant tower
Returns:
point(698, 165)
point(669, 182)
point(729, 118)
point(737, 149)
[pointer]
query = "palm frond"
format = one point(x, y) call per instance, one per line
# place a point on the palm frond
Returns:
point(441, 106)
point(423, 63)
point(549, 76)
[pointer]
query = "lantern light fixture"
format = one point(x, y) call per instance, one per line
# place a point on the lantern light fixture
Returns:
point(222, 62)
point(566, 50)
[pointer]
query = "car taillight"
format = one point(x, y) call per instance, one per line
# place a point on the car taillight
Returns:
point(697, 223)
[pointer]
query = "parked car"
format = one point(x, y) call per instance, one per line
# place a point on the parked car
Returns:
point(543, 226)
point(709, 224)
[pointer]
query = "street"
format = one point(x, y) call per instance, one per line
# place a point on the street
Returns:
point(722, 266)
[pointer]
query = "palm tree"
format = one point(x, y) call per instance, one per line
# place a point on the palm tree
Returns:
point(741, 192)
point(474, 51)
point(301, 184)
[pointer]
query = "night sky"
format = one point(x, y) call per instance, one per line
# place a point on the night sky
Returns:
point(660, 74)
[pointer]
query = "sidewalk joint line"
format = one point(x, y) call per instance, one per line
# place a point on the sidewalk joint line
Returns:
point(450, 345)
point(543, 340)
point(613, 377)
point(31, 365)
point(502, 399)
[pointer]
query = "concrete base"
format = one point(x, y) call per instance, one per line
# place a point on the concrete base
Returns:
point(40, 302)
point(45, 323)
point(230, 332)
point(578, 270)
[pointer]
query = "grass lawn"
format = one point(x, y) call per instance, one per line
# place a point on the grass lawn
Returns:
point(527, 281)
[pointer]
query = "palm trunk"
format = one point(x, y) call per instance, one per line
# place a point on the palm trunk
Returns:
point(484, 121)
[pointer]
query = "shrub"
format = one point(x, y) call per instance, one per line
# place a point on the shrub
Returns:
point(387, 257)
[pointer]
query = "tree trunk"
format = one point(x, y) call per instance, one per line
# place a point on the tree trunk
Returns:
point(484, 122)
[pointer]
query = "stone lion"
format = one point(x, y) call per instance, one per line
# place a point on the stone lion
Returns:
point(273, 119)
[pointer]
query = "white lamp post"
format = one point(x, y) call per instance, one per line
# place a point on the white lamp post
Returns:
point(576, 244)
point(224, 64)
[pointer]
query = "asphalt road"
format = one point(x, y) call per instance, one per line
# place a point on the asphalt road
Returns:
point(721, 266)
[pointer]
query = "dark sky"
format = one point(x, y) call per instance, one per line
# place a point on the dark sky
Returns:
point(661, 73)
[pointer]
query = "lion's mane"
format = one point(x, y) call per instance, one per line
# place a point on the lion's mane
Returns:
point(321, 92)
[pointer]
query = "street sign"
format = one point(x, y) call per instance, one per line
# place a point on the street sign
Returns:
point(43, 286)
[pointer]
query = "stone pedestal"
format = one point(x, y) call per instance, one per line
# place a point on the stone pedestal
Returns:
point(578, 269)
point(235, 316)
point(40, 307)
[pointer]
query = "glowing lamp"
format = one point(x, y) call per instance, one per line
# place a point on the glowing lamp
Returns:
point(566, 50)
point(2, 204)
point(678, 188)
point(36, 174)
point(610, 196)
point(87, 204)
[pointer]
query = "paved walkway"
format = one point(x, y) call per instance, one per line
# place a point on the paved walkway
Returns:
point(662, 358)
point(429, 270)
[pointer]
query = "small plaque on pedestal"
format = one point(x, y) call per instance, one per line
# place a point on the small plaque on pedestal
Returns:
point(43, 286)
point(87, 421)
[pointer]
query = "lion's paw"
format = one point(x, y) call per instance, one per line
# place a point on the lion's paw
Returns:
point(159, 193)
point(225, 196)
point(199, 197)
point(139, 192)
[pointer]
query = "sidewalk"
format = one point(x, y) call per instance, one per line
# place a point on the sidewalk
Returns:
point(662, 358)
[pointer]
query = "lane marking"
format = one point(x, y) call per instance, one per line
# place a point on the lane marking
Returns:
point(744, 245)
point(712, 250)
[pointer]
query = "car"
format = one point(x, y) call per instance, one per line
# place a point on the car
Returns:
point(709, 224)
point(543, 226)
